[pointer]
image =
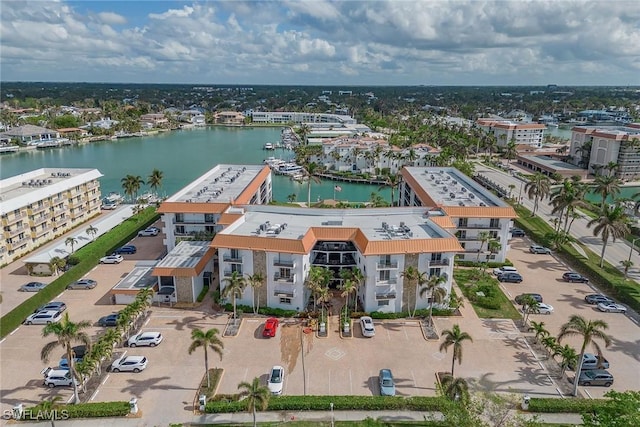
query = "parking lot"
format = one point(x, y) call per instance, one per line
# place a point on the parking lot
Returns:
point(498, 359)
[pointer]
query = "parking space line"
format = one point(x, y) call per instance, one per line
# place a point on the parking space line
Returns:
point(404, 329)
point(350, 383)
point(1, 341)
point(70, 399)
point(105, 379)
point(146, 322)
point(94, 395)
point(633, 320)
point(588, 394)
point(62, 293)
point(15, 330)
point(93, 269)
point(415, 383)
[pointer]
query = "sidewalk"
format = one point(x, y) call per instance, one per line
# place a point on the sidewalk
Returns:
point(279, 416)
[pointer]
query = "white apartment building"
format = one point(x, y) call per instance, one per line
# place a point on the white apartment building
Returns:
point(282, 244)
point(472, 209)
point(505, 131)
point(290, 117)
point(42, 204)
point(593, 146)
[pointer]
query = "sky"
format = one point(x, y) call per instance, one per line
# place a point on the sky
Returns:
point(322, 42)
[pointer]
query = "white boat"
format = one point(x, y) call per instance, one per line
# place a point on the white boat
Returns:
point(114, 197)
point(269, 146)
point(289, 169)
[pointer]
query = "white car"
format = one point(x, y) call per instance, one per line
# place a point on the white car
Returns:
point(109, 206)
point(151, 231)
point(150, 339)
point(57, 377)
point(276, 380)
point(612, 307)
point(44, 317)
point(544, 308)
point(366, 323)
point(504, 269)
point(130, 364)
point(111, 259)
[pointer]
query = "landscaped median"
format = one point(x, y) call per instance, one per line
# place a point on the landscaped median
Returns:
point(484, 293)
point(51, 411)
point(87, 257)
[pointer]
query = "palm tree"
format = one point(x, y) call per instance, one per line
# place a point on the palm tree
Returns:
point(590, 331)
point(613, 222)
point(606, 185)
point(56, 264)
point(49, 406)
point(510, 151)
point(318, 279)
point(529, 305)
point(303, 131)
point(483, 237)
point(436, 293)
point(292, 197)
point(392, 181)
point(67, 333)
point(208, 339)
point(455, 337)
point(455, 389)
point(539, 329)
point(551, 344)
point(257, 396)
point(537, 188)
point(356, 276)
point(92, 232)
point(71, 241)
point(131, 185)
point(627, 264)
point(308, 175)
point(155, 180)
point(256, 281)
point(348, 287)
point(412, 277)
point(234, 286)
point(568, 357)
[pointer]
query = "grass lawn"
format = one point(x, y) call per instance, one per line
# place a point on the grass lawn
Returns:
point(495, 304)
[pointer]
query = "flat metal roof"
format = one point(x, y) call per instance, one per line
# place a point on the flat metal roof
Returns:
point(186, 254)
point(551, 162)
point(139, 278)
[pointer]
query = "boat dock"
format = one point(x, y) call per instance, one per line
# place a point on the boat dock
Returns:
point(348, 179)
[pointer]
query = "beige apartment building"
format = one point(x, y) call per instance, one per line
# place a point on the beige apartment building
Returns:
point(39, 205)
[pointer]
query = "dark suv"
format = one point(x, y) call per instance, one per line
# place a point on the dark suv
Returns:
point(127, 249)
point(520, 298)
point(517, 232)
point(510, 277)
point(573, 277)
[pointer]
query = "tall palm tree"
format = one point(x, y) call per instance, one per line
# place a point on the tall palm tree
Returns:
point(303, 131)
point(529, 305)
point(537, 188)
point(56, 264)
point(483, 237)
point(392, 181)
point(256, 395)
point(155, 180)
point(208, 339)
point(436, 292)
point(348, 287)
point(627, 264)
point(613, 222)
point(234, 286)
point(565, 199)
point(66, 333)
point(71, 241)
point(131, 184)
point(412, 277)
point(356, 276)
point(317, 279)
point(92, 232)
point(256, 281)
point(606, 185)
point(590, 331)
point(308, 174)
point(455, 337)
point(568, 357)
point(455, 389)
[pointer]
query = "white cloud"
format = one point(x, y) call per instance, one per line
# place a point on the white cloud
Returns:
point(377, 42)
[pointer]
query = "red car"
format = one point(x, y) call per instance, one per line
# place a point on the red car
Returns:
point(270, 327)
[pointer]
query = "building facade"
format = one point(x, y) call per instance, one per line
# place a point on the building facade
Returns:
point(595, 147)
point(40, 205)
point(289, 117)
point(506, 131)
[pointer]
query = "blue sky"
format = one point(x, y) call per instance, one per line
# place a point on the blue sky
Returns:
point(323, 42)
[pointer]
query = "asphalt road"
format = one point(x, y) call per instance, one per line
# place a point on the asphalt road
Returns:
point(616, 251)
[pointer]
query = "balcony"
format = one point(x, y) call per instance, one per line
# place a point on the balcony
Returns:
point(77, 214)
point(288, 263)
point(40, 231)
point(389, 281)
point(15, 231)
point(387, 265)
point(75, 203)
point(345, 260)
point(57, 200)
point(335, 247)
point(13, 218)
point(286, 279)
point(480, 226)
point(18, 242)
point(228, 273)
point(39, 220)
point(443, 261)
point(92, 185)
point(386, 292)
point(38, 208)
point(192, 221)
point(232, 259)
point(288, 292)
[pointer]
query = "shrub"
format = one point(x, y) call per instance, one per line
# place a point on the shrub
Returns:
point(266, 311)
point(492, 264)
point(88, 410)
point(555, 405)
point(203, 293)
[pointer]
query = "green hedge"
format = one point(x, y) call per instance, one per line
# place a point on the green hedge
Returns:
point(609, 278)
point(86, 410)
point(318, 403)
point(203, 293)
point(492, 264)
point(88, 256)
point(265, 311)
point(572, 405)
point(421, 312)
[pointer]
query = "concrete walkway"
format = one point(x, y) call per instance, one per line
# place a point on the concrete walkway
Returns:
point(286, 416)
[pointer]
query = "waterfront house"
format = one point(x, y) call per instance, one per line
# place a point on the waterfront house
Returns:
point(31, 135)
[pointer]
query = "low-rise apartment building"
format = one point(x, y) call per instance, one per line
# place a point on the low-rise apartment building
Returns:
point(40, 205)
point(291, 117)
point(595, 147)
point(229, 118)
point(506, 131)
point(480, 219)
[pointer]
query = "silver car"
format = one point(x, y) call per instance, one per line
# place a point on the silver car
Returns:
point(150, 339)
point(43, 317)
point(83, 284)
point(129, 364)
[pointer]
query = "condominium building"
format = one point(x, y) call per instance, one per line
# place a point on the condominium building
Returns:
point(595, 147)
point(282, 244)
point(506, 131)
point(40, 205)
point(480, 219)
point(290, 117)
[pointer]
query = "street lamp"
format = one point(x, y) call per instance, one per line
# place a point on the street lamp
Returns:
point(332, 424)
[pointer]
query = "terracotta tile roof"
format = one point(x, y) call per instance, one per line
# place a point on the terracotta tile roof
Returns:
point(480, 211)
point(184, 207)
point(228, 218)
point(443, 221)
point(186, 272)
point(245, 197)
